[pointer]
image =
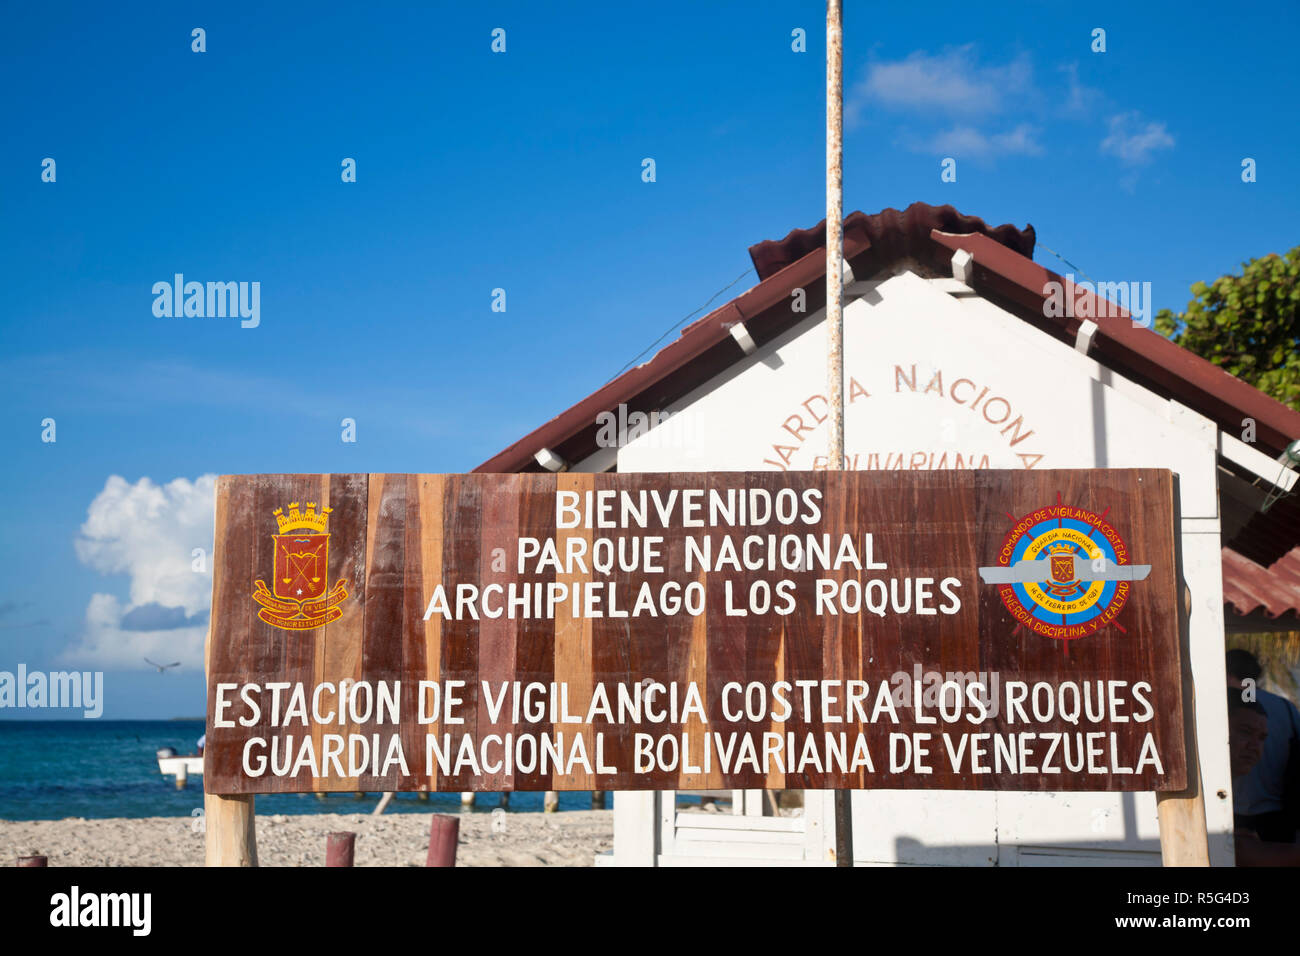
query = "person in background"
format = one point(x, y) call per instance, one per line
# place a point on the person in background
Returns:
point(1247, 733)
point(1265, 800)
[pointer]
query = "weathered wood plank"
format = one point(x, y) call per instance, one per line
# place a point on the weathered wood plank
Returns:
point(820, 632)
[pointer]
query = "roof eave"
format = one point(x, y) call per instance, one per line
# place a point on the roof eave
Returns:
point(1193, 380)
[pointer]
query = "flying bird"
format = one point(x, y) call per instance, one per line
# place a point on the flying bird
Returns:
point(162, 667)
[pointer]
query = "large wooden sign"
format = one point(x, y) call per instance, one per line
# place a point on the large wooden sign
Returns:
point(991, 630)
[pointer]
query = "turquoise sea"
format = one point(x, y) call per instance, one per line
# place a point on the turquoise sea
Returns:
point(52, 769)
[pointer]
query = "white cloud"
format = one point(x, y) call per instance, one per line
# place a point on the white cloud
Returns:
point(950, 82)
point(105, 644)
point(966, 141)
point(951, 102)
point(147, 532)
point(1079, 99)
point(1134, 140)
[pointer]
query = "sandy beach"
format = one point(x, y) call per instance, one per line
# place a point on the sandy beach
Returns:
point(570, 838)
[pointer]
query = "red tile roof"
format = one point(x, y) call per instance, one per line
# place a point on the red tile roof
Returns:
point(1135, 352)
point(892, 234)
point(1275, 590)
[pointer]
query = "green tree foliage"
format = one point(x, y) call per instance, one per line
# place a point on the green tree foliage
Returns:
point(1247, 324)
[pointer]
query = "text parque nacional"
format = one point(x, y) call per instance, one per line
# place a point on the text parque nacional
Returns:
point(710, 553)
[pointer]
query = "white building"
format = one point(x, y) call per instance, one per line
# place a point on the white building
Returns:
point(952, 360)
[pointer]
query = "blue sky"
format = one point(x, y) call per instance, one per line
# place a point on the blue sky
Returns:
point(520, 171)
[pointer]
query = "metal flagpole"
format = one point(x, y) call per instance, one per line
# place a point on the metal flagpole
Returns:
point(835, 316)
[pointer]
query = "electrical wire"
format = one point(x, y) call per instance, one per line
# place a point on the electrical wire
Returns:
point(1069, 263)
point(680, 323)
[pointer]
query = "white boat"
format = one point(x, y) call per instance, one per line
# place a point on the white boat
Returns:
point(181, 766)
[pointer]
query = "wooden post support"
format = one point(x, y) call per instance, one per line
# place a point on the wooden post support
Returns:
point(229, 826)
point(467, 799)
point(598, 799)
point(231, 830)
point(551, 802)
point(1184, 840)
point(1183, 837)
point(182, 777)
point(33, 861)
point(444, 832)
point(340, 848)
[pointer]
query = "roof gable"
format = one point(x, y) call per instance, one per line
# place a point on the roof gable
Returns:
point(887, 242)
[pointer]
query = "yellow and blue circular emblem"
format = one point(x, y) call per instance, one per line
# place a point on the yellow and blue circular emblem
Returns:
point(1074, 547)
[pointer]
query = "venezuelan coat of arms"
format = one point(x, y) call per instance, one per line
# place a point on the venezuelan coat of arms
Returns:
point(299, 597)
